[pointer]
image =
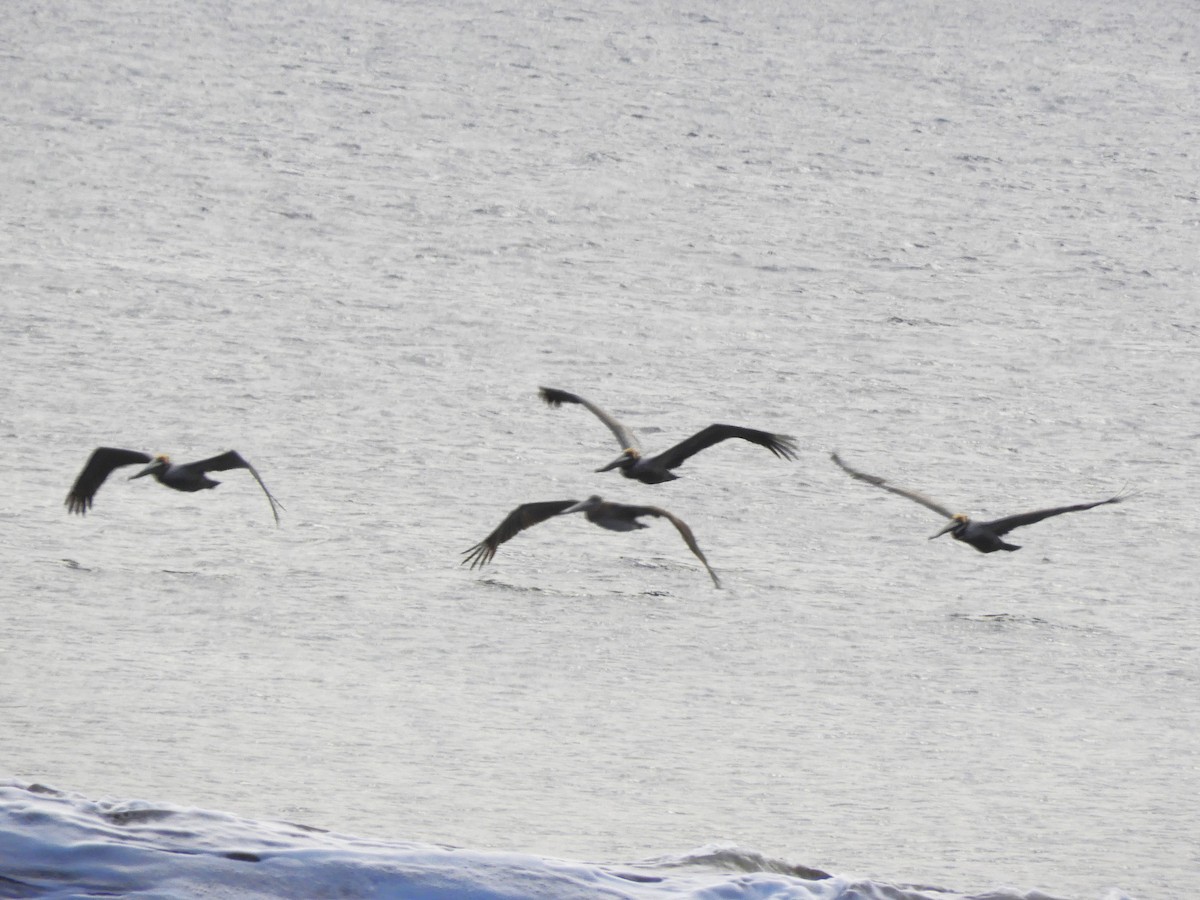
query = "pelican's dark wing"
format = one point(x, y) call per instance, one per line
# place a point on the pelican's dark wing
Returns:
point(624, 436)
point(524, 516)
point(781, 445)
point(879, 482)
point(684, 531)
point(98, 467)
point(1008, 523)
point(231, 459)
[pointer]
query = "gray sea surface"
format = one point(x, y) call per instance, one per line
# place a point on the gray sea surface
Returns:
point(955, 242)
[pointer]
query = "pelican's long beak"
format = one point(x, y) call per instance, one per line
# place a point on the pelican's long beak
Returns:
point(615, 463)
point(946, 530)
point(584, 505)
point(146, 471)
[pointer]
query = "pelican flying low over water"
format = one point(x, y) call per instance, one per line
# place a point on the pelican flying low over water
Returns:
point(656, 469)
point(179, 476)
point(606, 514)
point(986, 537)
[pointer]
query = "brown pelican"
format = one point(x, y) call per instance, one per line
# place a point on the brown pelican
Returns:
point(606, 514)
point(986, 537)
point(179, 476)
point(656, 469)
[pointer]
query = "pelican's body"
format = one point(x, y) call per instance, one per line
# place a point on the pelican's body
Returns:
point(657, 469)
point(188, 477)
point(986, 537)
point(176, 476)
point(606, 514)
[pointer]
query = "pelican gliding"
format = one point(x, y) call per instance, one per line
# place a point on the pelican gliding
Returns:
point(656, 469)
point(606, 514)
point(986, 537)
point(187, 477)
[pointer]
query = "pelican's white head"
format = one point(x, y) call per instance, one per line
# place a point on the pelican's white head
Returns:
point(958, 521)
point(585, 505)
point(158, 464)
point(627, 458)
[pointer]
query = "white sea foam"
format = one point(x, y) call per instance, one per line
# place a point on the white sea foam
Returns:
point(59, 845)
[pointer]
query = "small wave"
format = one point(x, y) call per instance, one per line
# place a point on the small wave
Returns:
point(57, 844)
point(731, 858)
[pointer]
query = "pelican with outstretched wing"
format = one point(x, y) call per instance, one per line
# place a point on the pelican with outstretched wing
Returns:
point(657, 469)
point(178, 476)
point(986, 537)
point(606, 514)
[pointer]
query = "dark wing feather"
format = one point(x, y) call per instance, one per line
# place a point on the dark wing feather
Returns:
point(684, 531)
point(781, 445)
point(231, 459)
point(524, 516)
point(626, 438)
point(881, 483)
point(1008, 523)
point(98, 467)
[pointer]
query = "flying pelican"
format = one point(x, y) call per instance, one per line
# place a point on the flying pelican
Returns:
point(986, 537)
point(180, 476)
point(606, 514)
point(656, 469)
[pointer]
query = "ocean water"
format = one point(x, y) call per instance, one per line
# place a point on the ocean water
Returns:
point(68, 846)
point(956, 244)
